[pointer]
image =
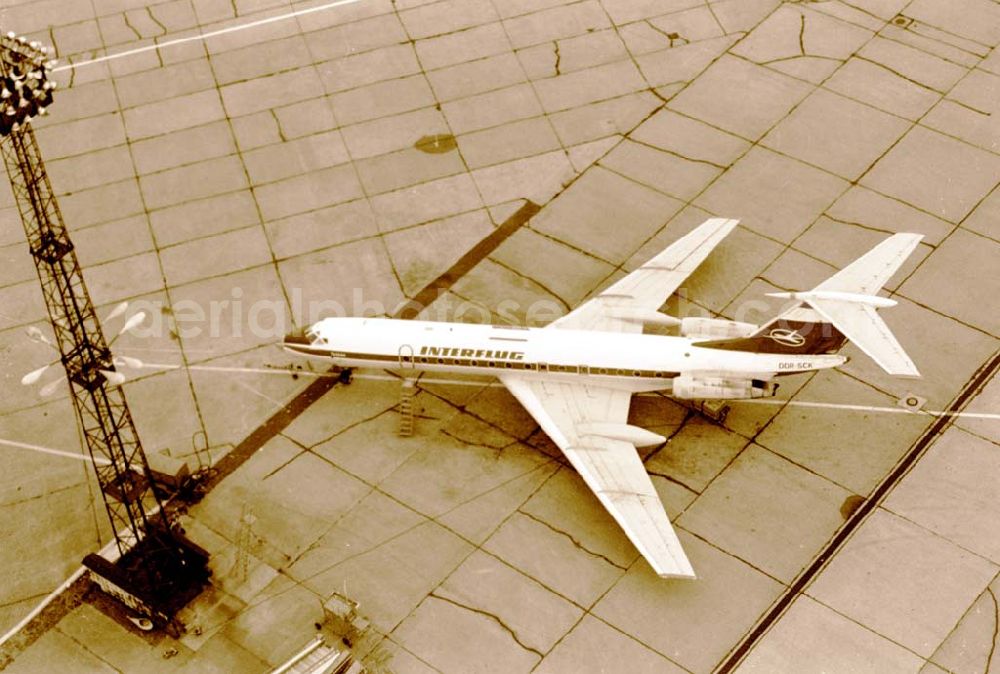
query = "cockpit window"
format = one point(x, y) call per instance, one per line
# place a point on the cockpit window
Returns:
point(314, 337)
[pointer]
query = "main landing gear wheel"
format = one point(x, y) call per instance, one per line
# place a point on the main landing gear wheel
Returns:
point(345, 375)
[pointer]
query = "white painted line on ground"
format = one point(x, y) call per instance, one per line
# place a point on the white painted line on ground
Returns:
point(260, 395)
point(41, 605)
point(56, 452)
point(871, 408)
point(465, 382)
point(310, 373)
point(205, 36)
point(109, 552)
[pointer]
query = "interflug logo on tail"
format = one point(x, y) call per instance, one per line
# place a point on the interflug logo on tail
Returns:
point(787, 337)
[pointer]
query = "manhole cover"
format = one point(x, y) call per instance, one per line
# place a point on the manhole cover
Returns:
point(912, 402)
point(439, 143)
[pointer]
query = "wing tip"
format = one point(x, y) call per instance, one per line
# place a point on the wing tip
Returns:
point(725, 223)
point(676, 568)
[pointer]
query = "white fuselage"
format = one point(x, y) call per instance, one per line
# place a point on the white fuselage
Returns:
point(635, 362)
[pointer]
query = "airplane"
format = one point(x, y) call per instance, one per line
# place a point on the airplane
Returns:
point(576, 376)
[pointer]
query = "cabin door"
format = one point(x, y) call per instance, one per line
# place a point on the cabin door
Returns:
point(406, 359)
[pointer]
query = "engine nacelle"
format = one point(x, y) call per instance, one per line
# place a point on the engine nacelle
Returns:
point(715, 328)
point(719, 388)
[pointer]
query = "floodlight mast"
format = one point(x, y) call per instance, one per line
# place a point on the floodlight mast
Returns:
point(156, 566)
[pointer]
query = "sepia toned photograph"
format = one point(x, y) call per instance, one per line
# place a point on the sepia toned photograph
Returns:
point(500, 336)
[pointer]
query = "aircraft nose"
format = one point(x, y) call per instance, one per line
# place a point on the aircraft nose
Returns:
point(298, 337)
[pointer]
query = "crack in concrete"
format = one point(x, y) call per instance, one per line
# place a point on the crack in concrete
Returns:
point(495, 618)
point(128, 23)
point(572, 538)
point(802, 34)
point(558, 57)
point(496, 448)
point(52, 40)
point(277, 124)
point(72, 72)
point(673, 36)
point(996, 625)
point(152, 17)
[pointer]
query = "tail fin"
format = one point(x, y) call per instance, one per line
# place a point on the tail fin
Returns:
point(842, 307)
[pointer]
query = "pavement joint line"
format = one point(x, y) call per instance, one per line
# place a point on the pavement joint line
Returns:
point(973, 387)
point(205, 36)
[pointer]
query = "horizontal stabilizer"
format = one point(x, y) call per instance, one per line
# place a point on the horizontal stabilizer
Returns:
point(871, 271)
point(843, 306)
point(862, 325)
point(848, 299)
point(873, 300)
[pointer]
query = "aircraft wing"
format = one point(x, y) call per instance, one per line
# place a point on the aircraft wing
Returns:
point(620, 308)
point(568, 413)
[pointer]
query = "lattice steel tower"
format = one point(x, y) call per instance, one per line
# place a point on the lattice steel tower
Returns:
point(158, 570)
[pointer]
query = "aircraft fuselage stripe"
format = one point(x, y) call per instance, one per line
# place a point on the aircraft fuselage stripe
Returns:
point(484, 363)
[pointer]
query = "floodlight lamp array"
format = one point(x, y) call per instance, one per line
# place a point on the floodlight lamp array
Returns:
point(25, 88)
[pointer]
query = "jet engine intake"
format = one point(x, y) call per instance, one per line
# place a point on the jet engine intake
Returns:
point(715, 328)
point(719, 388)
